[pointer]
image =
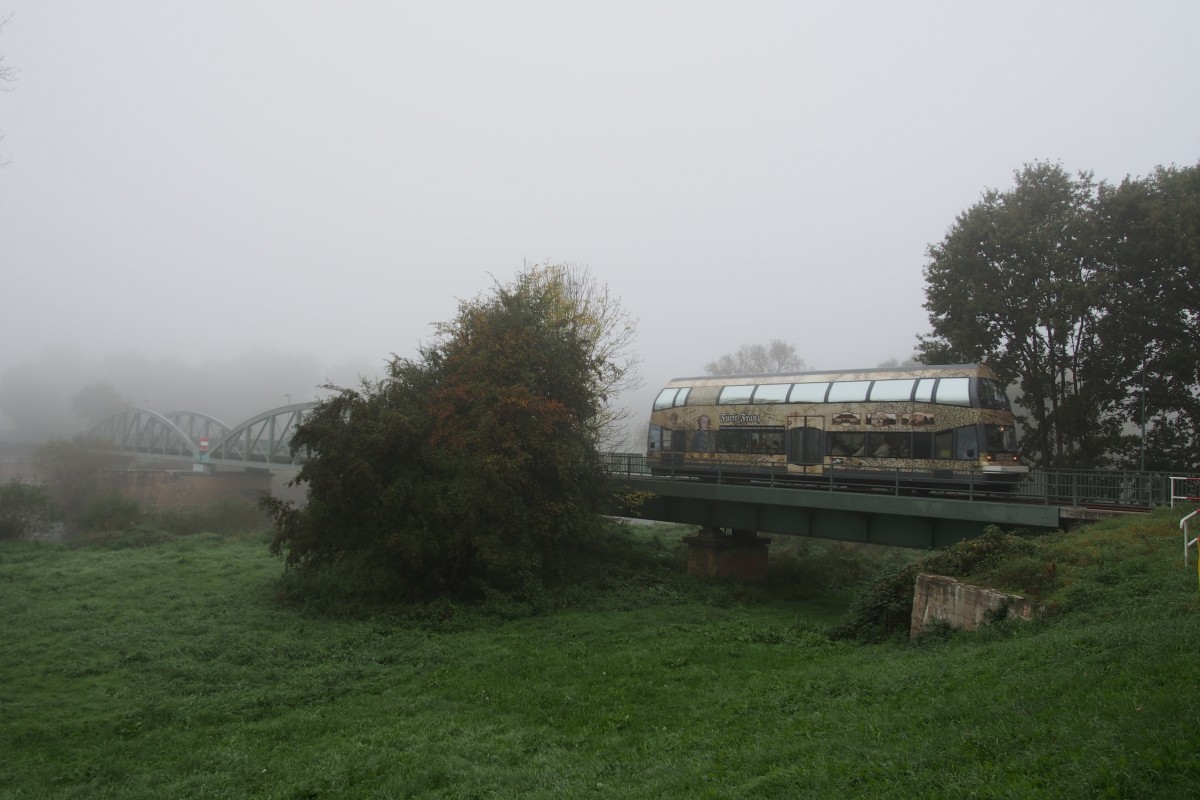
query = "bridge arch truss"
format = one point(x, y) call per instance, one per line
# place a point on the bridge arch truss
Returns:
point(263, 441)
point(145, 432)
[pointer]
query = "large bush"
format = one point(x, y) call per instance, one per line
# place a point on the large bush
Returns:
point(72, 471)
point(24, 510)
point(476, 463)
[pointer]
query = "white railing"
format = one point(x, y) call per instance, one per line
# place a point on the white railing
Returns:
point(1185, 489)
point(1188, 539)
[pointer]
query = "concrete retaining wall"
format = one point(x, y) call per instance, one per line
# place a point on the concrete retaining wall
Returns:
point(156, 488)
point(938, 598)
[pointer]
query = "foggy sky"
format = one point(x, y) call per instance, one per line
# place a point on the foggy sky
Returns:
point(196, 181)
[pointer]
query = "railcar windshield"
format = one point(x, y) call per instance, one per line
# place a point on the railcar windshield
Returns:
point(991, 394)
point(668, 398)
point(1001, 438)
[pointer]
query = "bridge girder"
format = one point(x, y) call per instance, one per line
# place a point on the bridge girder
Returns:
point(198, 426)
point(845, 516)
point(139, 430)
point(262, 441)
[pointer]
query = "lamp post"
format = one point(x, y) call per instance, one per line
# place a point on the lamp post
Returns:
point(289, 402)
point(1143, 453)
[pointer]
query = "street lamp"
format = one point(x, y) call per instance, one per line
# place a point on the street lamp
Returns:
point(1143, 455)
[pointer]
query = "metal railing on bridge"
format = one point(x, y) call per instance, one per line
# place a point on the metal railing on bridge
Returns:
point(1068, 487)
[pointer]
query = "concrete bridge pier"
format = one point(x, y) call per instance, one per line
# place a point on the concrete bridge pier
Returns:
point(739, 555)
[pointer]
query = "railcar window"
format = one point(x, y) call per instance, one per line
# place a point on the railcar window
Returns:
point(943, 444)
point(847, 444)
point(966, 442)
point(889, 445)
point(924, 393)
point(1000, 437)
point(954, 391)
point(808, 392)
point(735, 394)
point(654, 440)
point(848, 391)
point(922, 445)
point(749, 440)
point(731, 440)
point(892, 390)
point(771, 393)
point(991, 394)
point(664, 440)
point(770, 442)
point(701, 440)
point(681, 398)
point(665, 399)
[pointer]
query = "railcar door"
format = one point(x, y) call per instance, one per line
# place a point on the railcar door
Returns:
point(805, 443)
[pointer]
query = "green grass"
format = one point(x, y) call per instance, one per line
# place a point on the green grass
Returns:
point(166, 666)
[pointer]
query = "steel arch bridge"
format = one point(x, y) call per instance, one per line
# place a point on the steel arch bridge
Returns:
point(262, 441)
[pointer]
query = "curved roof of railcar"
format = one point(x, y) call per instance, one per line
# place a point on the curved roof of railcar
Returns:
point(873, 373)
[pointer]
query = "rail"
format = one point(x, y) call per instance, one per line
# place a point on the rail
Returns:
point(1112, 488)
point(1076, 487)
point(1185, 488)
point(1187, 543)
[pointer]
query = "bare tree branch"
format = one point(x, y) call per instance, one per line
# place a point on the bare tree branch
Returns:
point(755, 359)
point(8, 75)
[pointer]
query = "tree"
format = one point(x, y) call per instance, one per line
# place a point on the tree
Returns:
point(33, 396)
point(479, 460)
point(1012, 285)
point(1148, 294)
point(7, 73)
point(96, 402)
point(1087, 295)
point(72, 470)
point(756, 359)
point(892, 363)
point(24, 510)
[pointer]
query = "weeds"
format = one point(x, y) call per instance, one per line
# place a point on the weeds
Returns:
point(25, 510)
point(884, 609)
point(172, 669)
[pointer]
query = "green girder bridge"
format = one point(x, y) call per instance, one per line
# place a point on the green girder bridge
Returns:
point(885, 514)
point(262, 442)
point(889, 515)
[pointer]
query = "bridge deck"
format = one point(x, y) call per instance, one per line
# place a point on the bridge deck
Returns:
point(860, 516)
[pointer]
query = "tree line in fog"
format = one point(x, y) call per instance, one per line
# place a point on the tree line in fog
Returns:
point(62, 393)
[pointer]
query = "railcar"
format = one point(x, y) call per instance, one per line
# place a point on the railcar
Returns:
point(935, 426)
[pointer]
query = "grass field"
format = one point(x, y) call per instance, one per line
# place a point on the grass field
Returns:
point(146, 666)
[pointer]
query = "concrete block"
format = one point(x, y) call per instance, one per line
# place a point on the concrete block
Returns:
point(937, 598)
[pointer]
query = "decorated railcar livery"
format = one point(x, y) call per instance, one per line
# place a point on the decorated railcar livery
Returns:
point(934, 421)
